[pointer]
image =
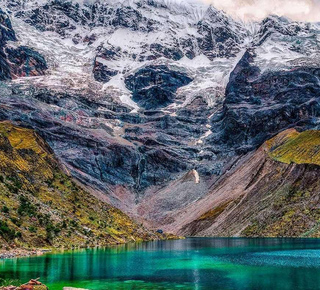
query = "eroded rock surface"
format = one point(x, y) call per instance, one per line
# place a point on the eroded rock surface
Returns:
point(18, 61)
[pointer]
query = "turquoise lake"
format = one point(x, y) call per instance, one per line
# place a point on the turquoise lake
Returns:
point(193, 263)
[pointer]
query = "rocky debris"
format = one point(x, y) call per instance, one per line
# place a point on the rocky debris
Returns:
point(17, 253)
point(155, 86)
point(33, 284)
point(272, 192)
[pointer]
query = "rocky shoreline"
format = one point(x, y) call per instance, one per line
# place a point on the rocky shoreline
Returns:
point(19, 253)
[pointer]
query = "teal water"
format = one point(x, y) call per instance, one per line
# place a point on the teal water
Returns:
point(194, 263)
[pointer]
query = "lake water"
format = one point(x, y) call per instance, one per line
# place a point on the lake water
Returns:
point(194, 263)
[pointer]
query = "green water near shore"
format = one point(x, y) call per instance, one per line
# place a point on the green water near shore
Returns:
point(195, 263)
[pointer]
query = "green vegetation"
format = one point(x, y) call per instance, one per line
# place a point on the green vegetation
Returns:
point(294, 147)
point(42, 207)
point(9, 282)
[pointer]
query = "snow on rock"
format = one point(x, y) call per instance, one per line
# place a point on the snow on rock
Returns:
point(77, 37)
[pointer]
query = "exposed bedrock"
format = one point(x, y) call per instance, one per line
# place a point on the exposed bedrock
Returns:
point(17, 61)
point(6, 30)
point(155, 86)
point(106, 148)
point(217, 38)
point(103, 73)
point(25, 62)
point(6, 34)
point(260, 105)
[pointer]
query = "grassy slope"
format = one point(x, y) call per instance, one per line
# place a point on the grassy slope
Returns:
point(293, 147)
point(41, 206)
point(294, 209)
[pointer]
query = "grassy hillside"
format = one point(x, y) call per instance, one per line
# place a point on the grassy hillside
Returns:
point(294, 208)
point(293, 147)
point(41, 206)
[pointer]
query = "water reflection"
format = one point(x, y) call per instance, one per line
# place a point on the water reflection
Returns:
point(195, 263)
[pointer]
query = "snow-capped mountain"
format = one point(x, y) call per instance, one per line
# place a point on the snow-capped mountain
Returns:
point(121, 37)
point(150, 102)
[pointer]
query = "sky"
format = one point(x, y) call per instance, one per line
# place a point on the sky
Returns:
point(301, 10)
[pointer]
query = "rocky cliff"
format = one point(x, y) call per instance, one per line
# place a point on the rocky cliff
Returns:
point(17, 61)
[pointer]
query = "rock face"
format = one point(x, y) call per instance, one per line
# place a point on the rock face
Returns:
point(41, 206)
point(259, 105)
point(25, 62)
point(20, 61)
point(153, 105)
point(155, 86)
point(7, 32)
point(102, 73)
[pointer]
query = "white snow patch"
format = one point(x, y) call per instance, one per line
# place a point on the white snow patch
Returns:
point(196, 176)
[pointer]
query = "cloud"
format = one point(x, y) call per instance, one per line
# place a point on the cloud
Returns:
point(301, 10)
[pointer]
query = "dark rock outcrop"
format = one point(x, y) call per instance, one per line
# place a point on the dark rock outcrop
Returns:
point(6, 31)
point(259, 105)
point(6, 34)
point(25, 61)
point(281, 25)
point(219, 38)
point(20, 61)
point(63, 17)
point(155, 86)
point(103, 73)
point(159, 50)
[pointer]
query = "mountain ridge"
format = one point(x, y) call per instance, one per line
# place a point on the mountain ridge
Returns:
point(139, 97)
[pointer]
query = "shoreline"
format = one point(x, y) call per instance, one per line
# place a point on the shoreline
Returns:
point(23, 253)
point(20, 253)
